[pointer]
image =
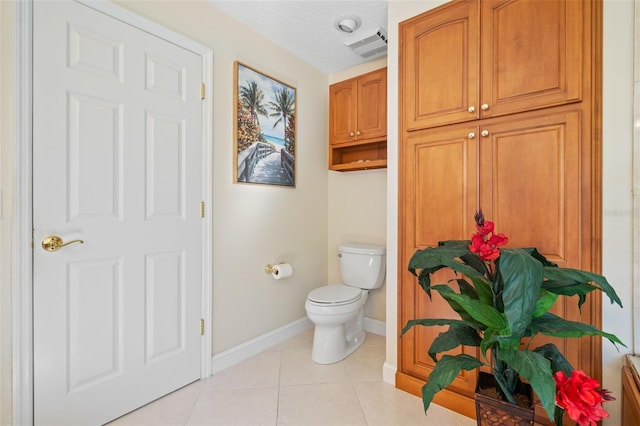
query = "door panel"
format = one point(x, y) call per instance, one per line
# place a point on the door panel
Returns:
point(439, 67)
point(117, 160)
point(372, 101)
point(343, 105)
point(440, 196)
point(521, 72)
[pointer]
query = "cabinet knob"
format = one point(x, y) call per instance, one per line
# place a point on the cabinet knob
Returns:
point(358, 133)
point(484, 107)
point(472, 135)
point(485, 133)
point(352, 134)
point(471, 109)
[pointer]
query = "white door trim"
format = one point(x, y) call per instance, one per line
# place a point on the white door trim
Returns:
point(22, 263)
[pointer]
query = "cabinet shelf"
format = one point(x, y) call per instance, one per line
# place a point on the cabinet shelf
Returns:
point(359, 156)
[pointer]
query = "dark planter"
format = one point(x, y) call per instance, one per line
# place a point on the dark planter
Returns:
point(496, 412)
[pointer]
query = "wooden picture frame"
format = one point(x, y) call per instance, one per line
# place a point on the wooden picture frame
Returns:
point(264, 128)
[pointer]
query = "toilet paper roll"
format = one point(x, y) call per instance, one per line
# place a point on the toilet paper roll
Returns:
point(283, 270)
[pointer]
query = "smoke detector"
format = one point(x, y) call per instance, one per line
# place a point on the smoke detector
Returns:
point(371, 46)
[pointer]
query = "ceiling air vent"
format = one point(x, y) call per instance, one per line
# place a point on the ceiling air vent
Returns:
point(372, 46)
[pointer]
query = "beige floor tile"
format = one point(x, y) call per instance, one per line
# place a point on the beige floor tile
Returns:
point(374, 340)
point(385, 405)
point(173, 409)
point(302, 340)
point(330, 404)
point(245, 407)
point(283, 386)
point(297, 368)
point(262, 370)
point(365, 364)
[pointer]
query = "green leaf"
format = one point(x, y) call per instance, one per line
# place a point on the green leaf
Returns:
point(428, 322)
point(448, 254)
point(569, 288)
point(535, 369)
point(445, 372)
point(479, 311)
point(557, 359)
point(483, 289)
point(434, 257)
point(522, 278)
point(466, 288)
point(489, 340)
point(552, 325)
point(544, 303)
point(533, 252)
point(584, 277)
point(456, 335)
point(475, 262)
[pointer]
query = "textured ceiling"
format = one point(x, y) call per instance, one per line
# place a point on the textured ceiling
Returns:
point(307, 27)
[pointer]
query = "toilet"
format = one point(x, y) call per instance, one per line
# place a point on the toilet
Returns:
point(337, 310)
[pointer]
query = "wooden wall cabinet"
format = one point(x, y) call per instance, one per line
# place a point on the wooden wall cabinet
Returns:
point(530, 159)
point(477, 59)
point(358, 122)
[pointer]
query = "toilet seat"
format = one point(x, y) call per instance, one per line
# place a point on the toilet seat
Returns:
point(334, 295)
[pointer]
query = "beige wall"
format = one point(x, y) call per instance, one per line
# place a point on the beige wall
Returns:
point(357, 207)
point(6, 117)
point(617, 201)
point(617, 177)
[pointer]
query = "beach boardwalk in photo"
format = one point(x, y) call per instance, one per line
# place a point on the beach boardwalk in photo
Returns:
point(270, 170)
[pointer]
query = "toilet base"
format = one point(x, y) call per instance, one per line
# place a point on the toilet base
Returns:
point(334, 343)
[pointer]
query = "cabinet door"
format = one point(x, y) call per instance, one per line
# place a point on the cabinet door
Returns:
point(439, 193)
point(439, 66)
point(343, 99)
point(531, 54)
point(372, 105)
point(531, 187)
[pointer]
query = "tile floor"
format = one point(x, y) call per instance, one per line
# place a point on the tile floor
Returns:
point(282, 386)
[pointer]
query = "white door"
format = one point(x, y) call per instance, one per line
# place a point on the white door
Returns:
point(117, 163)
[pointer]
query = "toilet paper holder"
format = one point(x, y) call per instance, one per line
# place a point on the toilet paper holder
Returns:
point(269, 269)
point(279, 271)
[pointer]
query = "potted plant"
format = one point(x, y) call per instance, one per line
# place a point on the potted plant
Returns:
point(503, 300)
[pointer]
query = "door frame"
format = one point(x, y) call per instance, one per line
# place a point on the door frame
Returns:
point(22, 262)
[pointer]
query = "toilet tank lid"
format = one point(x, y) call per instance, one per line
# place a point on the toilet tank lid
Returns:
point(361, 248)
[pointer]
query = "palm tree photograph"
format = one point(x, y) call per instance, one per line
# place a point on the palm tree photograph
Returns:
point(265, 128)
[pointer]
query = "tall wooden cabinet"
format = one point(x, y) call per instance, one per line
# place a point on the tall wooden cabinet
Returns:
point(498, 111)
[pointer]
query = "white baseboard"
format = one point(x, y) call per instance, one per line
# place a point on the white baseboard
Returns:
point(375, 326)
point(246, 350)
point(389, 373)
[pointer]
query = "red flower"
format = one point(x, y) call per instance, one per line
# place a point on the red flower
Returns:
point(579, 396)
point(486, 227)
point(485, 242)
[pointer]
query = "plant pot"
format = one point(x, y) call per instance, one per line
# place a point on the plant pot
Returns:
point(496, 412)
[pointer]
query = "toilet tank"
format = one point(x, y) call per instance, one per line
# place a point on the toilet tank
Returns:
point(362, 265)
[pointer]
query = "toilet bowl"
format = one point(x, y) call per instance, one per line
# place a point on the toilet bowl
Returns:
point(337, 310)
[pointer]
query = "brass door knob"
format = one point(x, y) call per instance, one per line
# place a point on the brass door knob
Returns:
point(53, 243)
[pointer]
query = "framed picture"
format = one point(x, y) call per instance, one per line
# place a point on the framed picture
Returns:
point(264, 128)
